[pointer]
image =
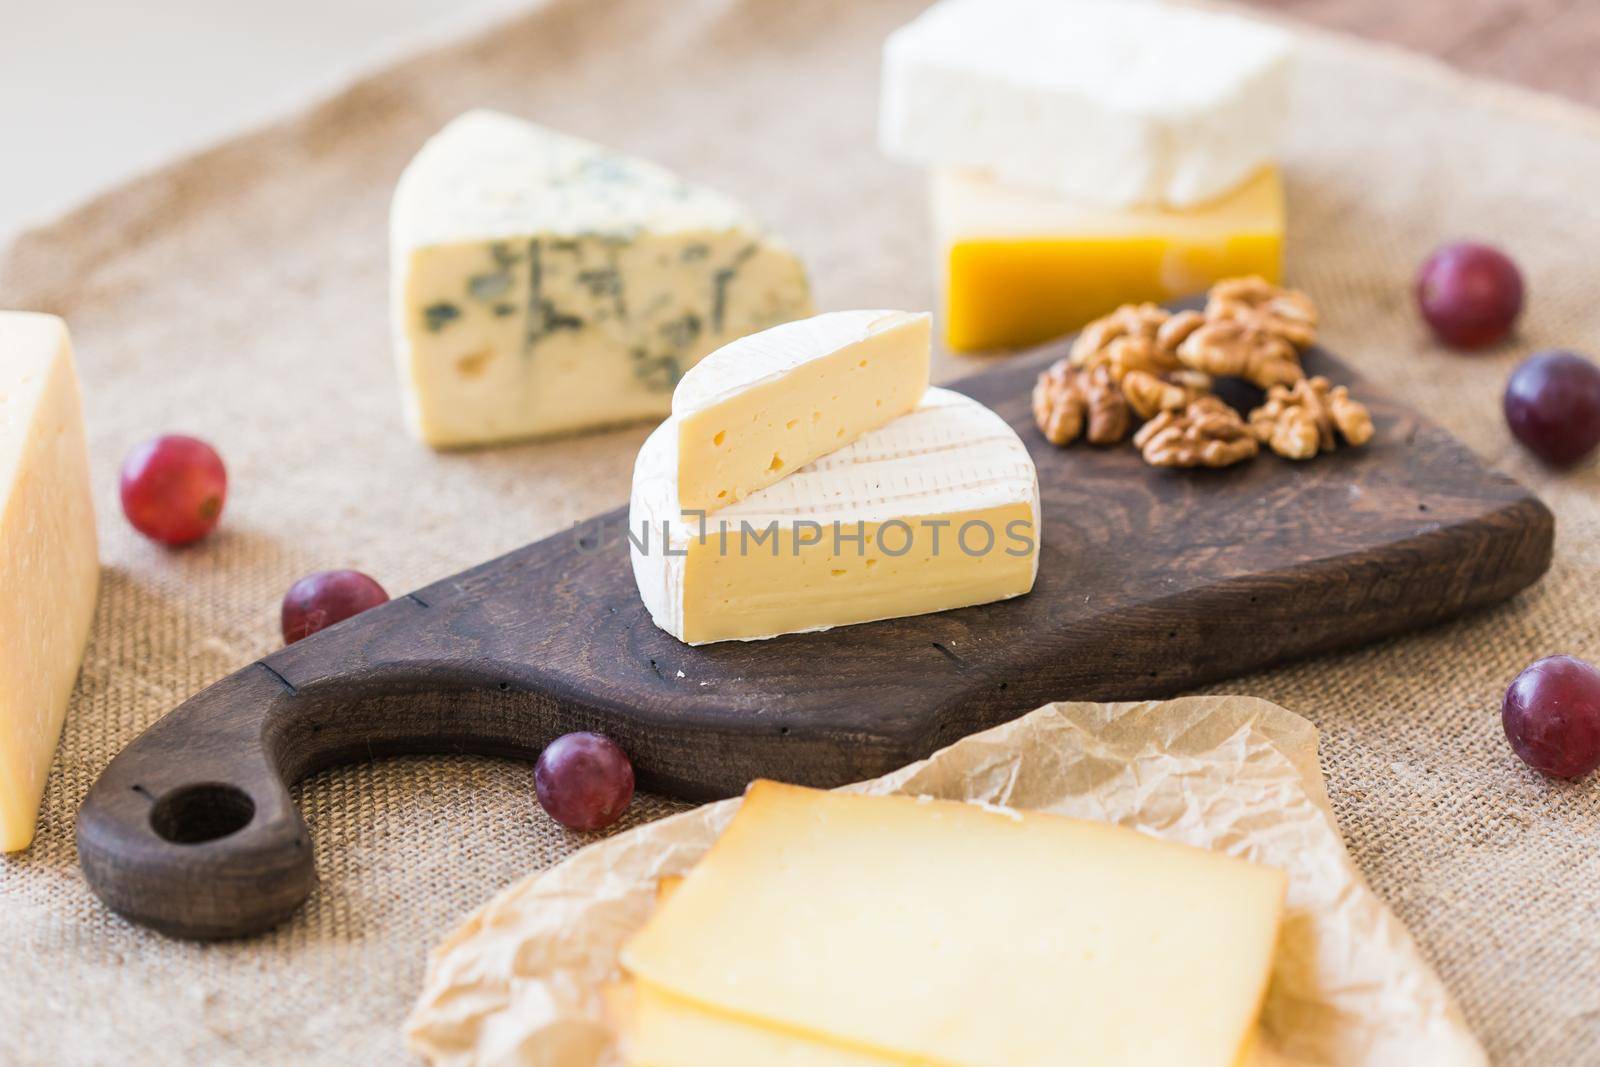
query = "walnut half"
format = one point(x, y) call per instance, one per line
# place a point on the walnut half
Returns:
point(1135, 337)
point(1207, 433)
point(1300, 421)
point(1254, 301)
point(1149, 394)
point(1227, 348)
point(1069, 403)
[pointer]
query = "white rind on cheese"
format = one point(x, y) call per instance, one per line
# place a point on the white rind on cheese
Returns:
point(49, 568)
point(542, 284)
point(765, 405)
point(1117, 102)
point(949, 456)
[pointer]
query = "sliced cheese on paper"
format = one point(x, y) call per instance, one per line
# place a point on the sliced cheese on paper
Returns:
point(656, 1029)
point(967, 936)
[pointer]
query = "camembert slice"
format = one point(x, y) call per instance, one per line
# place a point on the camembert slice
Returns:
point(762, 407)
point(543, 284)
point(49, 568)
point(937, 510)
point(953, 934)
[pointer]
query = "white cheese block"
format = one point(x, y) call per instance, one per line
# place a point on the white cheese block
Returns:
point(766, 405)
point(1116, 102)
point(542, 284)
point(49, 569)
point(939, 509)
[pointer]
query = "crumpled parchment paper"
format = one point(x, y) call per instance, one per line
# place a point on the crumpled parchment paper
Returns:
point(518, 982)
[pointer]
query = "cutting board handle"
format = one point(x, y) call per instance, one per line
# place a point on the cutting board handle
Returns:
point(192, 830)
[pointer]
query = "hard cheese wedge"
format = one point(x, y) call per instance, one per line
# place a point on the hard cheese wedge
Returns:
point(968, 937)
point(764, 406)
point(937, 510)
point(1116, 102)
point(49, 569)
point(1020, 268)
point(544, 284)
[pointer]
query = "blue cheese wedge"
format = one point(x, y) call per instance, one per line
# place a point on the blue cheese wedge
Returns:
point(542, 284)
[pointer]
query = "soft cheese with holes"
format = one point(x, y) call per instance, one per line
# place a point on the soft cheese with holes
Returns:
point(543, 284)
point(766, 405)
point(852, 930)
point(1115, 102)
point(1021, 267)
point(937, 510)
point(49, 567)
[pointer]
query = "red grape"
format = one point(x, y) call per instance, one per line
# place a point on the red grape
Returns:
point(319, 600)
point(1551, 716)
point(1470, 294)
point(173, 489)
point(1552, 405)
point(584, 781)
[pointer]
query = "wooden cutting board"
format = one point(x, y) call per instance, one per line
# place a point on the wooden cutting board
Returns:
point(1150, 582)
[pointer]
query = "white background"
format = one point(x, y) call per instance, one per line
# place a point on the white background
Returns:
point(94, 91)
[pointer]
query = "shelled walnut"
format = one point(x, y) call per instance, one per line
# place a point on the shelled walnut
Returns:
point(1144, 363)
point(1135, 337)
point(1207, 433)
point(1069, 403)
point(1228, 348)
point(1310, 417)
point(1254, 301)
point(1150, 394)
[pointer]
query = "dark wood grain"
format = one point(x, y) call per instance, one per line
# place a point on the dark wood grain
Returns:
point(1150, 582)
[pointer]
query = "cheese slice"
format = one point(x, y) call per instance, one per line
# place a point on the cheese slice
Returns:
point(937, 510)
point(967, 936)
point(1020, 268)
point(1115, 102)
point(667, 886)
point(543, 284)
point(656, 1029)
point(764, 406)
point(49, 569)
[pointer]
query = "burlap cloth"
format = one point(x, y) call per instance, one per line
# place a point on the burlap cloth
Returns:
point(241, 295)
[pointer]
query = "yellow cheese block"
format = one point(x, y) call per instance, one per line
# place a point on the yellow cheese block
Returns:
point(1021, 267)
point(762, 407)
point(49, 569)
point(968, 937)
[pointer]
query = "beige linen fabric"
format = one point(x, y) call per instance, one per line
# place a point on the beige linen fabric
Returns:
point(241, 295)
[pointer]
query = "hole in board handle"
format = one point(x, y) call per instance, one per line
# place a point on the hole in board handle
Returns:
point(196, 814)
